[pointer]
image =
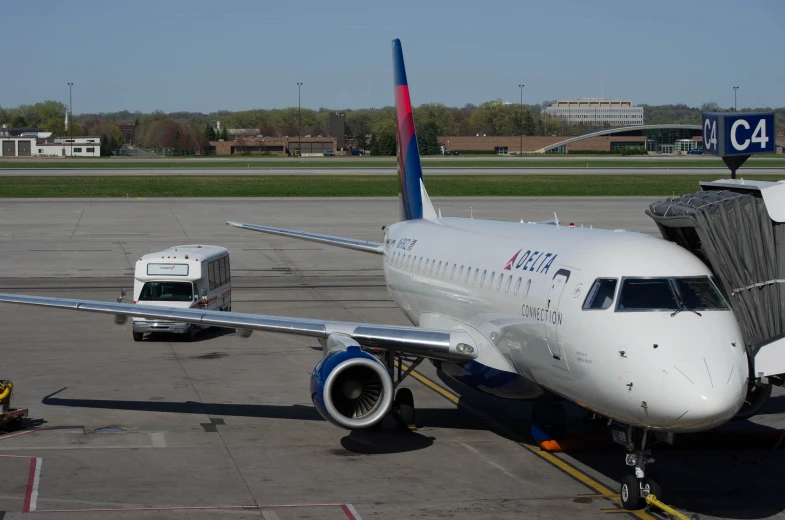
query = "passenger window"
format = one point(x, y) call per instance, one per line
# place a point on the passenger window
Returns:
point(526, 288)
point(649, 294)
point(460, 274)
point(419, 264)
point(439, 268)
point(452, 273)
point(493, 275)
point(499, 283)
point(228, 270)
point(482, 279)
point(517, 287)
point(468, 272)
point(211, 274)
point(601, 294)
point(476, 272)
point(507, 287)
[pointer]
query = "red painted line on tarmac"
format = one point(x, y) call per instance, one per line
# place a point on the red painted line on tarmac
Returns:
point(350, 512)
point(346, 508)
point(11, 436)
point(30, 486)
point(31, 493)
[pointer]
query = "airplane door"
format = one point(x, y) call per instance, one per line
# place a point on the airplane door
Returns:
point(553, 318)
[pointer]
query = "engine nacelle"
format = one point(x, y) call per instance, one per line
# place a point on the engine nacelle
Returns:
point(351, 389)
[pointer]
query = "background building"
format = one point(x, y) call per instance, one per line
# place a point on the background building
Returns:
point(29, 146)
point(615, 112)
point(281, 146)
point(336, 127)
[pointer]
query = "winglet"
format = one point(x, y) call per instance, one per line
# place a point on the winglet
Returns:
point(410, 185)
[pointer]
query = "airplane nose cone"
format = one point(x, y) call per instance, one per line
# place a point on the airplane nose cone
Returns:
point(704, 391)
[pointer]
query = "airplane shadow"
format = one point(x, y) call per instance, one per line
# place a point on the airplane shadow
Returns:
point(734, 471)
point(740, 482)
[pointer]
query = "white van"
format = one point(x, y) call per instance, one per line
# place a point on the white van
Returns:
point(193, 276)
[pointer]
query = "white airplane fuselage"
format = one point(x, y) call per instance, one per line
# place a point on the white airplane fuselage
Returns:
point(646, 368)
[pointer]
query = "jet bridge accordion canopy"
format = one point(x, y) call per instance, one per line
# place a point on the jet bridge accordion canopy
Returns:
point(732, 232)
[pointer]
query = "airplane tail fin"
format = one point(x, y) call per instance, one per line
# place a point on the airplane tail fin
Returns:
point(414, 201)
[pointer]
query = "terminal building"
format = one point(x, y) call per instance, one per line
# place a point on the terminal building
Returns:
point(663, 138)
point(615, 112)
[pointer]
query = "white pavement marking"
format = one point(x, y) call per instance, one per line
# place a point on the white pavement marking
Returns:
point(158, 439)
point(269, 514)
point(487, 461)
point(36, 480)
point(353, 511)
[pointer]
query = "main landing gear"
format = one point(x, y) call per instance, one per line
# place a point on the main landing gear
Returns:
point(635, 488)
point(403, 404)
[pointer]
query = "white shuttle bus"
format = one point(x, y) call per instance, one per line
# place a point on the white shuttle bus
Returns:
point(192, 276)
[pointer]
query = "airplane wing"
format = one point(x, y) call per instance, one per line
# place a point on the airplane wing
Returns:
point(347, 243)
point(448, 345)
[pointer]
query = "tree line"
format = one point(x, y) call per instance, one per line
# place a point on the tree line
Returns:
point(191, 132)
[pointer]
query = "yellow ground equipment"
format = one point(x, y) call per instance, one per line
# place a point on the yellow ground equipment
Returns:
point(654, 503)
point(10, 418)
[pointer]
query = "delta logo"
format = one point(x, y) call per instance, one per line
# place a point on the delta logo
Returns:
point(533, 261)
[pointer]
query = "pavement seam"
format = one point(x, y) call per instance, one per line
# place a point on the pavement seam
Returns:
point(178, 223)
point(223, 441)
point(81, 213)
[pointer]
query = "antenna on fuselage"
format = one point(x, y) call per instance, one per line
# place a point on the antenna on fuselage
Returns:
point(556, 219)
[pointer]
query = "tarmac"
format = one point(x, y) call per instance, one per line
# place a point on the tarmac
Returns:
point(256, 168)
point(224, 426)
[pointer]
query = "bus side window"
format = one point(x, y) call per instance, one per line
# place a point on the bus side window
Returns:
point(228, 270)
point(211, 274)
point(221, 271)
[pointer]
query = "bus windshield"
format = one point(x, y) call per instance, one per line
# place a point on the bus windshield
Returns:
point(167, 292)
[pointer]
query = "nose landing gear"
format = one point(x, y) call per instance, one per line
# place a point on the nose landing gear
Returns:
point(635, 488)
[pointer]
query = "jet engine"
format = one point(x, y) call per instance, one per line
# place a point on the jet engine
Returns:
point(351, 389)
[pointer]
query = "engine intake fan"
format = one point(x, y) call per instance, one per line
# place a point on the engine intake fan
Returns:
point(351, 389)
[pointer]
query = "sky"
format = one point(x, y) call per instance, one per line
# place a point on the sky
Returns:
point(205, 56)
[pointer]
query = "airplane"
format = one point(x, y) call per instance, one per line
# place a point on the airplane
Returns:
point(630, 327)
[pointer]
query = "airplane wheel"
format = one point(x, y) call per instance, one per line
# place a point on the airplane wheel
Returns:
point(137, 336)
point(652, 487)
point(630, 493)
point(404, 408)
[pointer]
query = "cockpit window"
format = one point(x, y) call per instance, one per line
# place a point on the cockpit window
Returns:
point(647, 294)
point(699, 293)
point(601, 294)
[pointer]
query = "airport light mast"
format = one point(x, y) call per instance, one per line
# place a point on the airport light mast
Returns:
point(521, 116)
point(299, 130)
point(735, 108)
point(71, 117)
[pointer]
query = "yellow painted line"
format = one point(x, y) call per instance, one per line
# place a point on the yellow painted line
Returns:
point(574, 472)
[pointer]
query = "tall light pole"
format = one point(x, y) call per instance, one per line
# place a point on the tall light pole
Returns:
point(299, 131)
point(735, 109)
point(521, 87)
point(71, 117)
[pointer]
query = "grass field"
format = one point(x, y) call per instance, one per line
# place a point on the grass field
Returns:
point(389, 163)
point(347, 186)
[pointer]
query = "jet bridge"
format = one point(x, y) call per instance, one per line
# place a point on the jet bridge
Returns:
point(737, 228)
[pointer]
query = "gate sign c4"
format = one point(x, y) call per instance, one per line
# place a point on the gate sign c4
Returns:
point(738, 133)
